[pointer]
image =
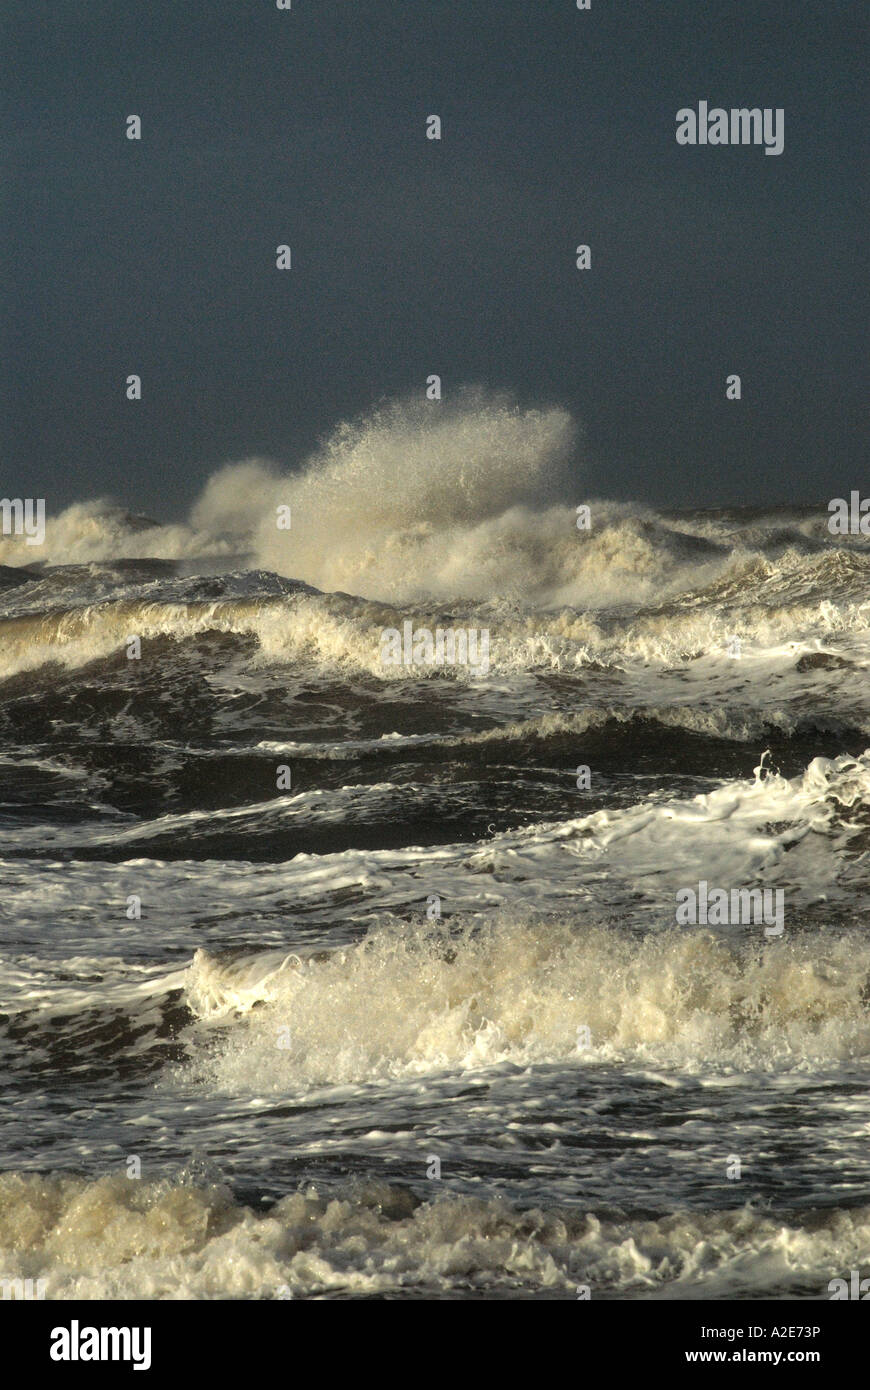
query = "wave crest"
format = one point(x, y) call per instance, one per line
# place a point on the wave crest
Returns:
point(409, 1000)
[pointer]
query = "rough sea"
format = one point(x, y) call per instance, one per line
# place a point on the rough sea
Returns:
point(326, 978)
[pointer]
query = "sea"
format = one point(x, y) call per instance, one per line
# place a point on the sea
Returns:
point(329, 977)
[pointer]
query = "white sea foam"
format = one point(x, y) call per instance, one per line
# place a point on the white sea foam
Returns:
point(667, 661)
point(469, 498)
point(409, 1003)
point(113, 1238)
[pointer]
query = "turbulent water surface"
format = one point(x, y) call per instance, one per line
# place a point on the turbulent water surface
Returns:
point(290, 1035)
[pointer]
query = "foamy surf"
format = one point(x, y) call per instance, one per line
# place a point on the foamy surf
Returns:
point(374, 970)
point(528, 994)
point(117, 1239)
point(473, 500)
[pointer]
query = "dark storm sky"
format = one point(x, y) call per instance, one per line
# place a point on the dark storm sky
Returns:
point(410, 257)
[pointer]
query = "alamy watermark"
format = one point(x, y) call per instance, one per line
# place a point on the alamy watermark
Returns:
point(76, 1343)
point(850, 518)
point(446, 647)
point(23, 1290)
point(23, 517)
point(740, 125)
point(855, 1289)
point(716, 907)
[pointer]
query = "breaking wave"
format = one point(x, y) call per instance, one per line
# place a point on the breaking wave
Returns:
point(473, 499)
point(341, 631)
point(113, 1238)
point(405, 1003)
